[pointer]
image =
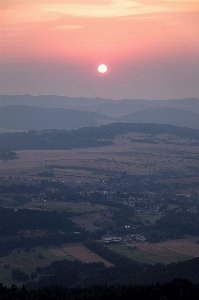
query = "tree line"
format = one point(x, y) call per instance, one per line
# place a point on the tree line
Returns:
point(85, 136)
point(177, 289)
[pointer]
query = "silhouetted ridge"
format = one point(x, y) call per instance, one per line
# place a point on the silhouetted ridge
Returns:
point(164, 115)
point(38, 118)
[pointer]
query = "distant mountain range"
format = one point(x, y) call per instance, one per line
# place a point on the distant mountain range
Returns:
point(164, 115)
point(23, 117)
point(28, 112)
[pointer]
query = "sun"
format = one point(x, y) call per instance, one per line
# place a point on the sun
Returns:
point(102, 68)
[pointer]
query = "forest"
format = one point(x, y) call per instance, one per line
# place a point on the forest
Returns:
point(180, 289)
point(86, 136)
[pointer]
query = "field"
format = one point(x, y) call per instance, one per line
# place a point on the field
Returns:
point(95, 164)
point(164, 252)
point(28, 261)
point(92, 221)
point(59, 205)
point(85, 255)
point(184, 247)
point(39, 257)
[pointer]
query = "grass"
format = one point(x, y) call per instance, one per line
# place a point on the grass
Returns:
point(152, 218)
point(94, 164)
point(27, 262)
point(58, 205)
point(149, 257)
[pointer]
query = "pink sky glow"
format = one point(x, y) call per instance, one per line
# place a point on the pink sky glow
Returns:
point(151, 48)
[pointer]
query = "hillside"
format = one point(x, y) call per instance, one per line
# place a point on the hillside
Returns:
point(26, 112)
point(51, 101)
point(37, 118)
point(106, 106)
point(164, 115)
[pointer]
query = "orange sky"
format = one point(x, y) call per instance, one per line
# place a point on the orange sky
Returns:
point(81, 34)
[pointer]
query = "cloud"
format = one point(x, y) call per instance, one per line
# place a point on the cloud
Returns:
point(121, 7)
point(68, 27)
point(35, 11)
point(93, 9)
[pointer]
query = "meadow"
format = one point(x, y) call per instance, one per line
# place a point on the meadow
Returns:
point(79, 166)
point(27, 262)
point(165, 252)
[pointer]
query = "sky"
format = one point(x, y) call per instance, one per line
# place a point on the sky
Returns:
point(151, 48)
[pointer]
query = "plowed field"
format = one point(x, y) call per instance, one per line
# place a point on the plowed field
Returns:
point(85, 255)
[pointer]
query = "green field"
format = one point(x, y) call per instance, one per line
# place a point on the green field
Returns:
point(147, 257)
point(58, 205)
point(27, 262)
point(152, 218)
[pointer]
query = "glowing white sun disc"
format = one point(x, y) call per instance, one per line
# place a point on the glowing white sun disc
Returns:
point(102, 68)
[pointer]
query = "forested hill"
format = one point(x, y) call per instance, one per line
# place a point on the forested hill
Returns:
point(22, 117)
point(26, 112)
point(164, 115)
point(86, 136)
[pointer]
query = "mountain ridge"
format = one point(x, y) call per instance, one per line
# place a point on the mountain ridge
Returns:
point(37, 118)
point(164, 115)
point(28, 112)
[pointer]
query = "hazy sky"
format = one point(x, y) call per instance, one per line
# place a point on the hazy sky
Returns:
point(151, 48)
